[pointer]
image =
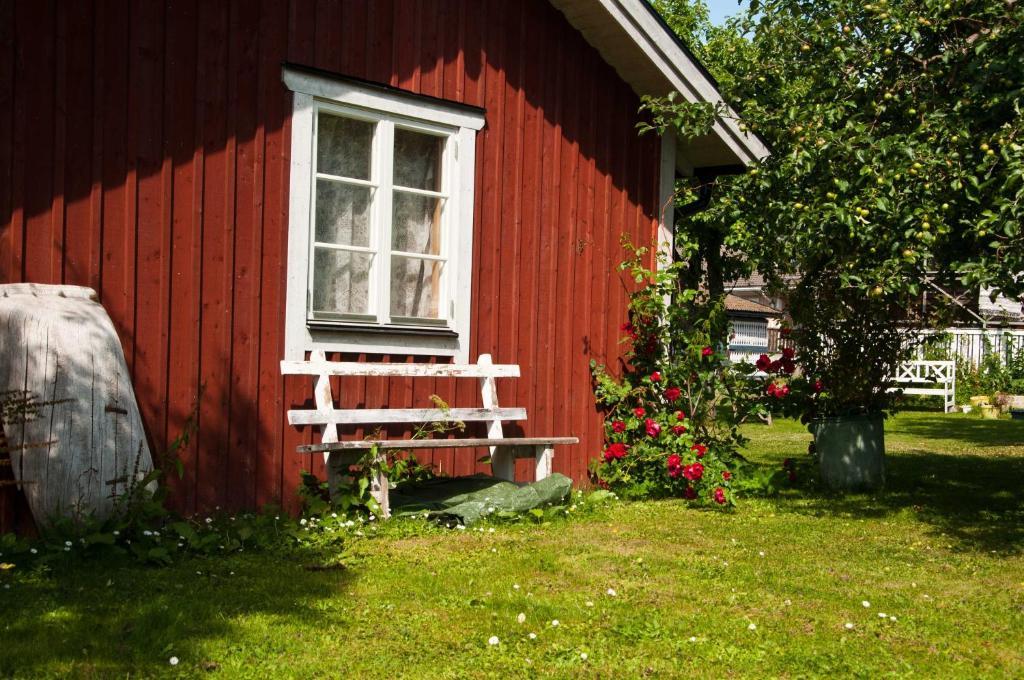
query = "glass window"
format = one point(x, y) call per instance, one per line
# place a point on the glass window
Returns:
point(380, 234)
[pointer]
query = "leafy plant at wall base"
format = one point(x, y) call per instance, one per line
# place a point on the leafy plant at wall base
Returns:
point(672, 418)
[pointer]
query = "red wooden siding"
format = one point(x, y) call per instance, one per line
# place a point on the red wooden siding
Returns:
point(144, 151)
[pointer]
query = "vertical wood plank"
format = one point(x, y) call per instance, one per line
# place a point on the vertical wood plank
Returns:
point(271, 178)
point(153, 195)
point(186, 186)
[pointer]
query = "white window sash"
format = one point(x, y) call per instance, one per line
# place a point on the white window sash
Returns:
point(378, 331)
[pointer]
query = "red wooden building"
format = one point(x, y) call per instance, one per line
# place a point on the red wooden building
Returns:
point(391, 180)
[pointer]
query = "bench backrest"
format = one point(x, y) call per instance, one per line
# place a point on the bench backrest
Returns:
point(325, 414)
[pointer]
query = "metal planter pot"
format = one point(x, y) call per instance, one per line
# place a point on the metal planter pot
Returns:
point(851, 451)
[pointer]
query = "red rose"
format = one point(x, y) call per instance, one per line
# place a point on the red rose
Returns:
point(630, 330)
point(706, 352)
point(674, 465)
point(653, 428)
point(788, 353)
point(618, 426)
point(720, 496)
point(690, 493)
point(699, 449)
point(639, 412)
point(693, 472)
point(763, 363)
point(680, 415)
point(656, 377)
point(818, 386)
point(615, 451)
point(678, 429)
point(673, 393)
point(726, 475)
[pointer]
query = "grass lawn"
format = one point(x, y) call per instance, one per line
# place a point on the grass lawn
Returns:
point(766, 590)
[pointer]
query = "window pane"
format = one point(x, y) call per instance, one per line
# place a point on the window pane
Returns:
point(343, 146)
point(415, 287)
point(342, 213)
point(416, 227)
point(418, 160)
point(341, 281)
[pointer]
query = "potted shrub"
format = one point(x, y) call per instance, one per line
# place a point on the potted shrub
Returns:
point(847, 347)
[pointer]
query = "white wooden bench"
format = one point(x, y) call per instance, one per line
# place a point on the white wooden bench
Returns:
point(339, 454)
point(928, 373)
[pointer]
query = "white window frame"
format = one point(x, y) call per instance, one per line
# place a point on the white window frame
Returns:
point(380, 334)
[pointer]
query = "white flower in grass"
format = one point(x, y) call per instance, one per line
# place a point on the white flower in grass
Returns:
point(532, 636)
point(302, 521)
point(491, 530)
point(460, 527)
point(611, 592)
point(515, 586)
point(865, 604)
point(693, 639)
point(583, 656)
point(752, 626)
point(209, 520)
point(521, 618)
point(493, 640)
point(882, 615)
point(554, 624)
point(494, 550)
point(761, 554)
point(173, 661)
point(117, 533)
point(589, 603)
point(848, 626)
point(33, 551)
point(68, 543)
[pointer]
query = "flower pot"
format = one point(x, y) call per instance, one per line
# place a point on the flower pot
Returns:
point(979, 400)
point(851, 451)
point(989, 412)
point(966, 408)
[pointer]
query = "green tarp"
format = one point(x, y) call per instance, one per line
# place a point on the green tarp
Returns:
point(464, 500)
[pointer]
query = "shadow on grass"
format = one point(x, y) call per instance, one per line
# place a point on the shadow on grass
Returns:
point(974, 500)
point(106, 619)
point(970, 430)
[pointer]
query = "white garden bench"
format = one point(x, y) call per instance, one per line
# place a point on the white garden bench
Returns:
point(504, 450)
point(920, 373)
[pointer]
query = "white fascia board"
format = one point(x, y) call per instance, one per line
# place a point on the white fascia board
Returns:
point(682, 72)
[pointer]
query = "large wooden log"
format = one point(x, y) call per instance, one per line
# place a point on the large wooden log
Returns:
point(76, 443)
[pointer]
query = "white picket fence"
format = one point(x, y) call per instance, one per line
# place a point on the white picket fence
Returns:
point(973, 344)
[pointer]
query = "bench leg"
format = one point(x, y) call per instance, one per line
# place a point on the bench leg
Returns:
point(380, 491)
point(545, 456)
point(503, 463)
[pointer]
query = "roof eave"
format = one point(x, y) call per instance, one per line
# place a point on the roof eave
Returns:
point(648, 56)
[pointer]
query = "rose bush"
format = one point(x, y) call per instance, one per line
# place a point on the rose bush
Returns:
point(672, 417)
